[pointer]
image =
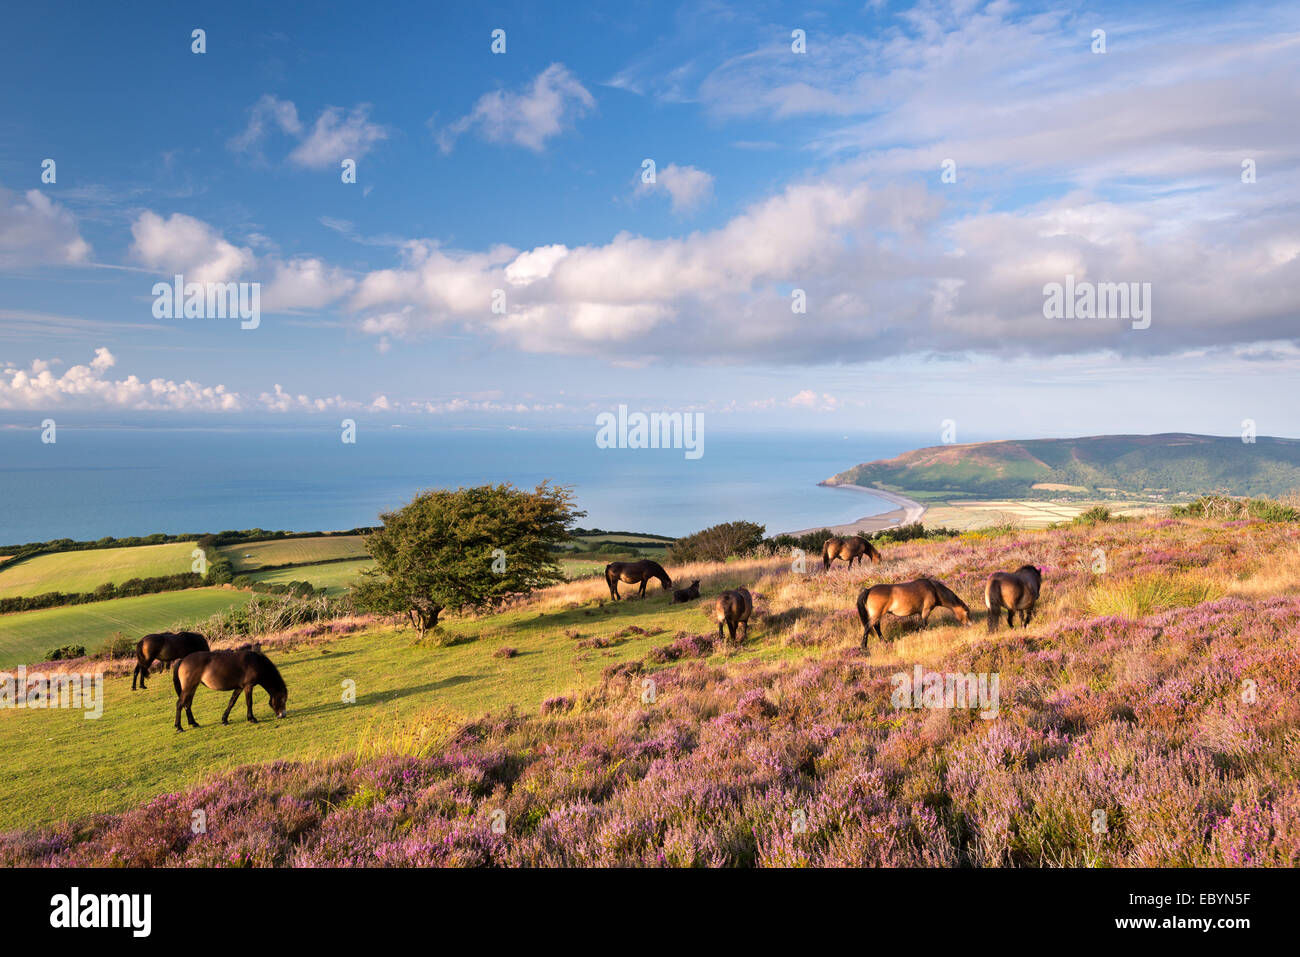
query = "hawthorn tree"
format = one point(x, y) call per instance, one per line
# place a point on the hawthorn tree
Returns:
point(717, 543)
point(468, 548)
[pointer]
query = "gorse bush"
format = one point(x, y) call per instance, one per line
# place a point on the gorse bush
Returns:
point(1093, 516)
point(1224, 507)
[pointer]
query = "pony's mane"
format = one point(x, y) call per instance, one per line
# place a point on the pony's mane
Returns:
point(274, 682)
point(949, 596)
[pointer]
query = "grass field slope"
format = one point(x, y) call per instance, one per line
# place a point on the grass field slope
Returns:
point(1158, 688)
point(1172, 465)
point(84, 571)
point(251, 556)
point(27, 637)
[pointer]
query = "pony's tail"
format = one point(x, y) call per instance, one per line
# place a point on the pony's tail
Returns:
point(826, 550)
point(862, 609)
point(993, 602)
point(176, 679)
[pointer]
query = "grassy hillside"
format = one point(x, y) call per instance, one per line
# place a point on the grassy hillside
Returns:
point(334, 577)
point(294, 551)
point(84, 571)
point(1127, 695)
point(25, 637)
point(1174, 465)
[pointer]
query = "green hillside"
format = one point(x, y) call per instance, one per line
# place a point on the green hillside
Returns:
point(1170, 466)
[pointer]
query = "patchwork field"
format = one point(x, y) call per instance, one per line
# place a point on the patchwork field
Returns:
point(84, 571)
point(26, 637)
point(974, 514)
point(294, 551)
point(1162, 691)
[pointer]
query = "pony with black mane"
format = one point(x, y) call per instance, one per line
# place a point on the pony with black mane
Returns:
point(240, 669)
point(850, 549)
point(635, 573)
point(166, 647)
point(919, 597)
point(1016, 592)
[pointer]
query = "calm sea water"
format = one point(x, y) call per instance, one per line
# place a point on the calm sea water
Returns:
point(98, 481)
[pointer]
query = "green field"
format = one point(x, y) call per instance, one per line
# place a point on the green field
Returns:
point(84, 571)
point(294, 551)
point(334, 577)
point(25, 637)
point(59, 764)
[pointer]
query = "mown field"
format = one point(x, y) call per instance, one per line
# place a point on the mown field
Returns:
point(84, 571)
point(334, 577)
point(1026, 513)
point(294, 551)
point(1163, 691)
point(26, 637)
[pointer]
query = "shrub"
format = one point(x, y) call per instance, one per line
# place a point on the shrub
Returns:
point(66, 652)
point(717, 543)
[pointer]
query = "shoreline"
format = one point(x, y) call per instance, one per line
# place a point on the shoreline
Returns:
point(906, 513)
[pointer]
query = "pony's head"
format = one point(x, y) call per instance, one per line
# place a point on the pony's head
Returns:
point(280, 702)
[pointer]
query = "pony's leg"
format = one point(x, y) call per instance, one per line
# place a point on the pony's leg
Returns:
point(719, 631)
point(179, 699)
point(189, 705)
point(644, 582)
point(731, 628)
point(225, 718)
point(1025, 615)
point(1011, 618)
point(248, 698)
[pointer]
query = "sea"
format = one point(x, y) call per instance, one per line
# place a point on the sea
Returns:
point(111, 481)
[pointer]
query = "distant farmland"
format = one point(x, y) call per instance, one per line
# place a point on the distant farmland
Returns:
point(294, 551)
point(334, 577)
point(27, 636)
point(84, 571)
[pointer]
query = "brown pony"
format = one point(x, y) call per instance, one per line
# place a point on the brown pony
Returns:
point(848, 549)
point(238, 670)
point(1015, 592)
point(733, 609)
point(681, 595)
point(632, 573)
point(164, 646)
point(918, 597)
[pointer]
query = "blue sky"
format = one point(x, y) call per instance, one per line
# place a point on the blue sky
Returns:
point(775, 171)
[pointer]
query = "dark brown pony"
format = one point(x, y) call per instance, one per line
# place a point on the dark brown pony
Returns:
point(632, 573)
point(1016, 592)
point(238, 670)
point(686, 594)
point(849, 549)
point(918, 597)
point(164, 646)
point(733, 609)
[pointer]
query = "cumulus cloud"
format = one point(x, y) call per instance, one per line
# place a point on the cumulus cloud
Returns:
point(305, 283)
point(36, 231)
point(88, 386)
point(688, 188)
point(183, 244)
point(529, 117)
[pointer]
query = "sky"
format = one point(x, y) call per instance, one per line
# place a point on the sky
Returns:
point(854, 213)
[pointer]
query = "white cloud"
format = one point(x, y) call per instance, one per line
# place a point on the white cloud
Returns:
point(86, 386)
point(688, 188)
point(183, 244)
point(305, 283)
point(528, 118)
point(36, 231)
point(337, 136)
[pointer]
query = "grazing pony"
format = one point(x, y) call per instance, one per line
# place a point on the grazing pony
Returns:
point(1015, 591)
point(237, 670)
point(733, 609)
point(164, 646)
point(633, 573)
point(918, 597)
point(849, 549)
point(686, 594)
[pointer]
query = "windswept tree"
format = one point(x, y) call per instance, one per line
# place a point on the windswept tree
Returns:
point(717, 543)
point(468, 548)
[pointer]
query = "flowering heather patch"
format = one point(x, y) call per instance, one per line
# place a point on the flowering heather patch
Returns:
point(1172, 738)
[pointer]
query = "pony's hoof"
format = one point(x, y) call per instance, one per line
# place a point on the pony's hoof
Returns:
point(225, 721)
point(253, 720)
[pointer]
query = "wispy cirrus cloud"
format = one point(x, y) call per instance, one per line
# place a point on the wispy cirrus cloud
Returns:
point(336, 135)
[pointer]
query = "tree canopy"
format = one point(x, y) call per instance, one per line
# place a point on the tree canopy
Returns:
point(468, 548)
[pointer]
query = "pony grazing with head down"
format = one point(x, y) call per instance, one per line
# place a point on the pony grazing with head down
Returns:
point(635, 573)
point(1016, 592)
point(919, 597)
point(236, 670)
point(850, 549)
